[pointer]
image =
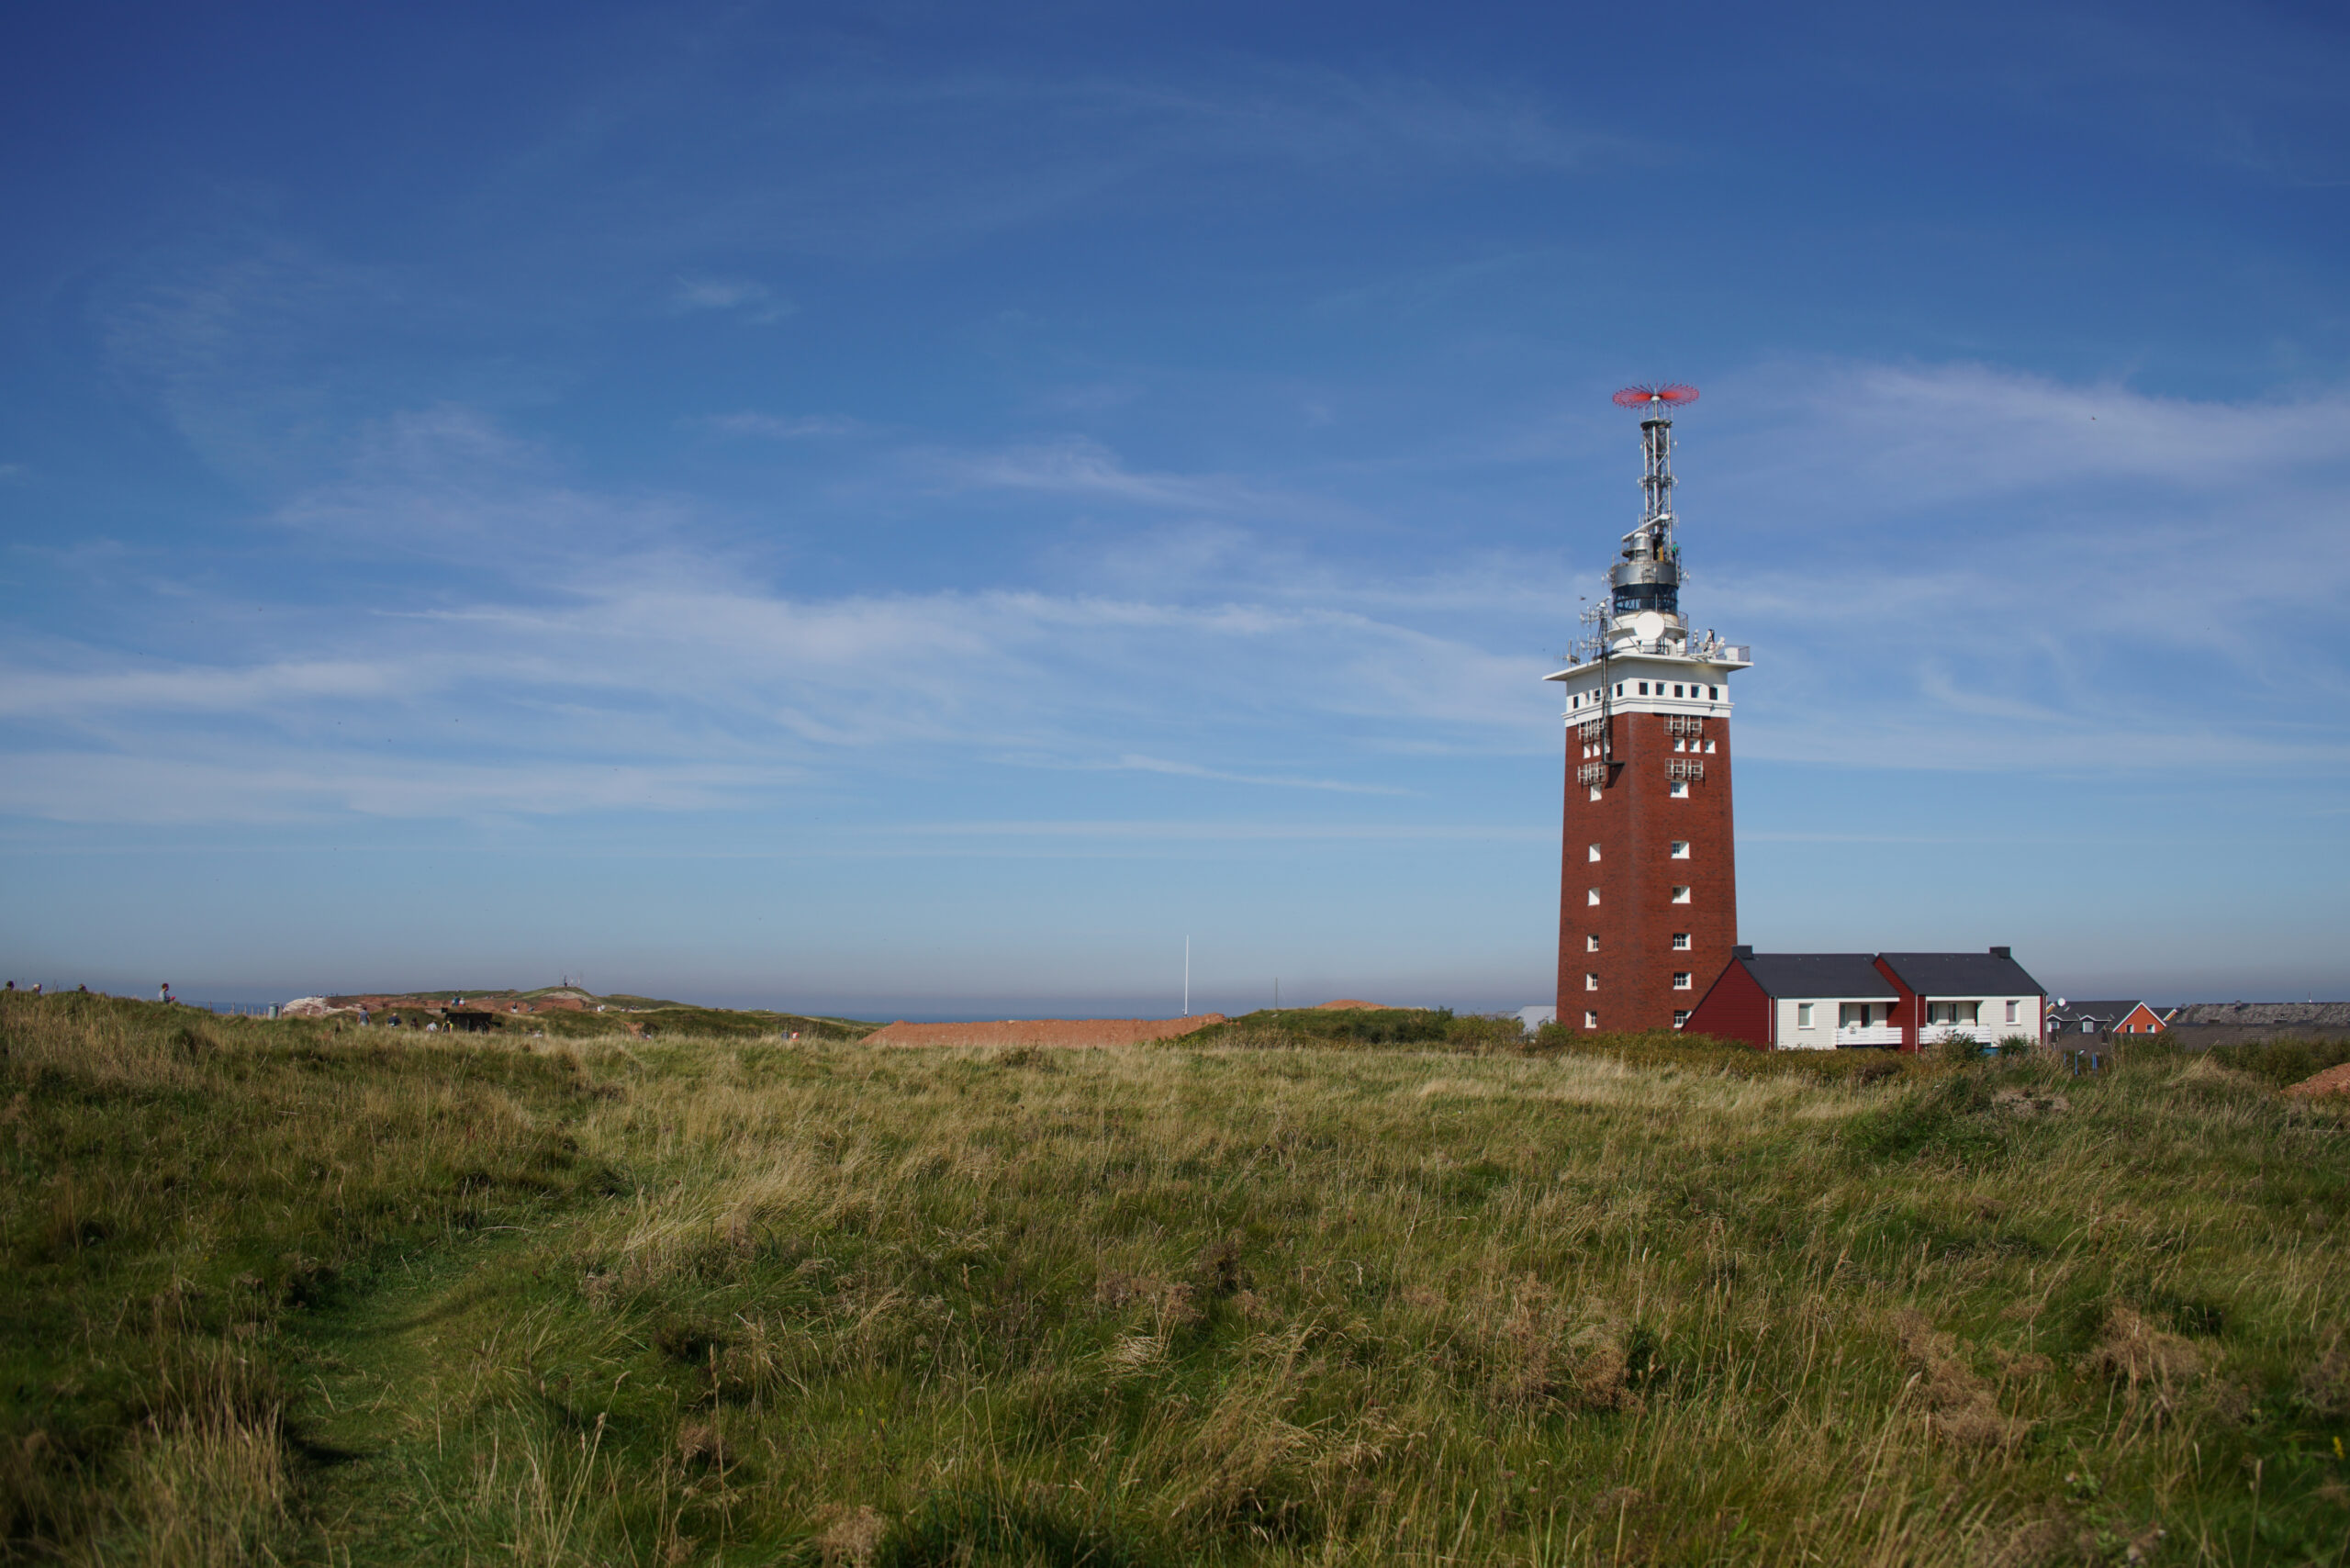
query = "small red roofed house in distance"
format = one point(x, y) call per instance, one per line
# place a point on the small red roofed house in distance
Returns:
point(2124, 1017)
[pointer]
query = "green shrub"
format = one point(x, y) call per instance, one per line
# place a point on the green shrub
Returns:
point(1957, 1049)
point(1711, 1053)
point(1294, 1028)
point(1950, 1116)
point(2282, 1062)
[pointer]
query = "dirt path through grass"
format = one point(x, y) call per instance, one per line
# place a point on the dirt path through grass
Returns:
point(371, 1369)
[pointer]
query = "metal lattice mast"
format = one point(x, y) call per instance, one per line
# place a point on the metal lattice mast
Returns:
point(1655, 532)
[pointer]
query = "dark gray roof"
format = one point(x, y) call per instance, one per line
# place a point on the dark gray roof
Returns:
point(1853, 975)
point(1962, 974)
point(2323, 1015)
point(2097, 1009)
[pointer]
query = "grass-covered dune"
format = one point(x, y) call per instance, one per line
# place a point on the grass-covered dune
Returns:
point(281, 1292)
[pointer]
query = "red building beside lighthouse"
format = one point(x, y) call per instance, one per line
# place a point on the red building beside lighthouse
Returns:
point(1648, 900)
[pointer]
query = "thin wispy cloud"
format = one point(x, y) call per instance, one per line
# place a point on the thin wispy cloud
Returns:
point(748, 301)
point(1083, 467)
point(1134, 763)
point(785, 427)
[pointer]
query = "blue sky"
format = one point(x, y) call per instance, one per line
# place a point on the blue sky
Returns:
point(914, 510)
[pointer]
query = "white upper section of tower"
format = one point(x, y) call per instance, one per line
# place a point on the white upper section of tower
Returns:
point(1640, 625)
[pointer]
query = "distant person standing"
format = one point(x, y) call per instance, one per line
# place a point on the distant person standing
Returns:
point(163, 991)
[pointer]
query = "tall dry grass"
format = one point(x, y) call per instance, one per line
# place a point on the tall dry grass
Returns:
point(839, 1304)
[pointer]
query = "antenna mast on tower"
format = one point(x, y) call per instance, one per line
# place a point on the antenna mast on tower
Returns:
point(1644, 596)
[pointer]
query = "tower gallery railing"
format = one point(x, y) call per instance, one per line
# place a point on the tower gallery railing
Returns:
point(1587, 650)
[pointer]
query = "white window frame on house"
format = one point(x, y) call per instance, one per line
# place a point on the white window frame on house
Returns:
point(1591, 982)
point(1595, 791)
point(1680, 895)
point(1681, 981)
point(1681, 941)
point(1803, 1014)
point(1591, 943)
point(1680, 1018)
point(1680, 849)
point(1593, 897)
point(1679, 789)
point(2011, 1012)
point(1595, 852)
point(1590, 1019)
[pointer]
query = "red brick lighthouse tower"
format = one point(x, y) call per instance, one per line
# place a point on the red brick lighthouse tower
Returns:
point(1647, 891)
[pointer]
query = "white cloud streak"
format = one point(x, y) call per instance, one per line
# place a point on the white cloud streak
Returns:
point(747, 301)
point(608, 658)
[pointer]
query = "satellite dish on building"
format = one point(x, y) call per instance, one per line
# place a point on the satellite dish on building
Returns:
point(1649, 624)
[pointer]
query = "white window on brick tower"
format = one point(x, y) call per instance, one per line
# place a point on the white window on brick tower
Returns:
point(1679, 1018)
point(1681, 981)
point(1591, 944)
point(1591, 982)
point(1681, 941)
point(1592, 896)
point(1595, 791)
point(1590, 1019)
point(1681, 849)
point(1680, 895)
point(1680, 788)
point(1595, 852)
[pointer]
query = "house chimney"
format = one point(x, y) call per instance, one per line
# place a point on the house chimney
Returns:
point(1742, 952)
point(2003, 952)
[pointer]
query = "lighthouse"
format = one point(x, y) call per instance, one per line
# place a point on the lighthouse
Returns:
point(1647, 890)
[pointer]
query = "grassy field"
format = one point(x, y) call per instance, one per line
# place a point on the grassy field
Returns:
point(277, 1293)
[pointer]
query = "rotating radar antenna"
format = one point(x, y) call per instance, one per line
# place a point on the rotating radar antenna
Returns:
point(1669, 394)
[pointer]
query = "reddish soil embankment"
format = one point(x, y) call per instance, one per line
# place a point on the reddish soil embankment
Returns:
point(2332, 1080)
point(1042, 1031)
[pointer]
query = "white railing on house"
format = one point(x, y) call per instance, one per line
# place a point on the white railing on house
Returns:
point(1980, 1033)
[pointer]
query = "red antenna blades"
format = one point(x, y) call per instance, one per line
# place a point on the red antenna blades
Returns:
point(1670, 394)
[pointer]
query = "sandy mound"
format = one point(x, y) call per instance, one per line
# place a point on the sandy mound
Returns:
point(1355, 1006)
point(2332, 1080)
point(1042, 1031)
